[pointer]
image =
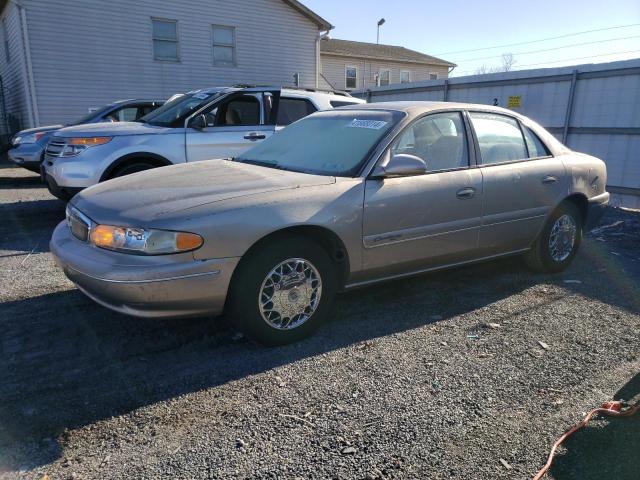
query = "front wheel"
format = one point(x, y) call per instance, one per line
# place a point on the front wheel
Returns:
point(283, 291)
point(134, 167)
point(558, 243)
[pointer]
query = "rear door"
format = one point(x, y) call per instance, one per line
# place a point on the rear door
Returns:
point(423, 221)
point(522, 182)
point(233, 125)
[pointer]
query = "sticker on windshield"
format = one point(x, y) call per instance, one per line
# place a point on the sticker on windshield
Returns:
point(372, 124)
point(201, 96)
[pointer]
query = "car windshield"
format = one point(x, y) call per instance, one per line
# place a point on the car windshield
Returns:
point(91, 115)
point(173, 113)
point(326, 143)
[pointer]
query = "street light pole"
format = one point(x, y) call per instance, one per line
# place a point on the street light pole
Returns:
point(380, 23)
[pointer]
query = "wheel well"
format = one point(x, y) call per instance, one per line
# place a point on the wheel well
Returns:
point(152, 158)
point(327, 239)
point(581, 203)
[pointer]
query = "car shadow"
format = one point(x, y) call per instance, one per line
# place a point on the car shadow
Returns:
point(607, 448)
point(27, 226)
point(31, 180)
point(67, 362)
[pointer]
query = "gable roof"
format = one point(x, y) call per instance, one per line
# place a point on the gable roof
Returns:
point(310, 14)
point(348, 48)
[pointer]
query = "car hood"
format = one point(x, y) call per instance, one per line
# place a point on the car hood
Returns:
point(144, 199)
point(111, 129)
point(46, 128)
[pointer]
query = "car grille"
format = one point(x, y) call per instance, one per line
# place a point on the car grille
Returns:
point(55, 148)
point(79, 224)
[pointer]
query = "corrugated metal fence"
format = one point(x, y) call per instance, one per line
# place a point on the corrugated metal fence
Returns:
point(591, 108)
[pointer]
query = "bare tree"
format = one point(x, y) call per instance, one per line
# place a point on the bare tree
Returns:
point(508, 61)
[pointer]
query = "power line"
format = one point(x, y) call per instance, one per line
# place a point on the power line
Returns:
point(551, 49)
point(541, 40)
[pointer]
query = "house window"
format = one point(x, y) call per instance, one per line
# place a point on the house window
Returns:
point(384, 77)
point(5, 37)
point(351, 78)
point(433, 76)
point(224, 45)
point(165, 40)
point(405, 76)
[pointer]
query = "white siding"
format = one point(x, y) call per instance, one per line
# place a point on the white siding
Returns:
point(90, 52)
point(14, 72)
point(333, 69)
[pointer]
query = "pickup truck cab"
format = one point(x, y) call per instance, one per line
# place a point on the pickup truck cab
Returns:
point(203, 124)
point(27, 146)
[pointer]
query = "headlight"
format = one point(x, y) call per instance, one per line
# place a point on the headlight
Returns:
point(31, 138)
point(75, 146)
point(143, 241)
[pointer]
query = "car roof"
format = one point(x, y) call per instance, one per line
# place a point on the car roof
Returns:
point(417, 107)
point(139, 100)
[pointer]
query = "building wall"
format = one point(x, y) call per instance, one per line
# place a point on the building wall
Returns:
point(605, 114)
point(333, 69)
point(87, 53)
point(13, 74)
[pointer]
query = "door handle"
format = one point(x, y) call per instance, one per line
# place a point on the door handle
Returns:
point(549, 179)
point(253, 136)
point(466, 193)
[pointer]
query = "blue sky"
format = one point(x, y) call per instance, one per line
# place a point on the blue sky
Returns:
point(440, 28)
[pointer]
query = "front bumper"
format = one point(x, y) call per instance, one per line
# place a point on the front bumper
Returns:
point(27, 155)
point(63, 193)
point(595, 209)
point(144, 286)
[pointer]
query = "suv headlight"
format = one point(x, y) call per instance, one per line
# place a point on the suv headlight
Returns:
point(143, 241)
point(75, 146)
point(30, 138)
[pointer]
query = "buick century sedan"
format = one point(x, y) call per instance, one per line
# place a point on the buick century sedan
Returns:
point(340, 199)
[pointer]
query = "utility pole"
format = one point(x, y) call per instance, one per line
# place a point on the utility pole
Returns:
point(380, 23)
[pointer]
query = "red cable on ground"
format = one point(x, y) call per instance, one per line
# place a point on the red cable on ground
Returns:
point(612, 409)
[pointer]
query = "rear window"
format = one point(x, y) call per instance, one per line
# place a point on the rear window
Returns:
point(293, 109)
point(499, 136)
point(534, 144)
point(342, 103)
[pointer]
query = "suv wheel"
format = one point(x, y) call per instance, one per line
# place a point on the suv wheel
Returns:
point(558, 243)
point(283, 292)
point(133, 167)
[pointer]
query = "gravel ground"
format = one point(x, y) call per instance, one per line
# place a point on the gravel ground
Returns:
point(439, 376)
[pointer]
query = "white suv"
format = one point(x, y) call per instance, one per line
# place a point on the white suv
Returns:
point(200, 125)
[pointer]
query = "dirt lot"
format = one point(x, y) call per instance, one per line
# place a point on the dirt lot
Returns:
point(407, 381)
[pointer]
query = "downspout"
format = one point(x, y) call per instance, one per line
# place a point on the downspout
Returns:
point(30, 86)
point(318, 60)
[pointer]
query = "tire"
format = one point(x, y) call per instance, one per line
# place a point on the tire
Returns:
point(134, 167)
point(254, 279)
point(542, 257)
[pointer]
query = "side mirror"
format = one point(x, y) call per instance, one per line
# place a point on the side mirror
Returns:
point(401, 165)
point(199, 122)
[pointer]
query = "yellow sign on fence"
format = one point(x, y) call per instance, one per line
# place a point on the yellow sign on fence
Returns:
point(515, 101)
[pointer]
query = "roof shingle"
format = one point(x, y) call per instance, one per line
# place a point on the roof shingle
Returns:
point(348, 48)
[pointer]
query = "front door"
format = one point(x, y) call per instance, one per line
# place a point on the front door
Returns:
point(232, 126)
point(430, 220)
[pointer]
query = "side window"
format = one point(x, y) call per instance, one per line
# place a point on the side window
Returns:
point(439, 139)
point(293, 109)
point(534, 144)
point(499, 136)
point(144, 110)
point(127, 114)
point(340, 103)
point(242, 110)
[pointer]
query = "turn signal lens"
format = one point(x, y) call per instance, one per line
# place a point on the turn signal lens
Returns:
point(188, 241)
point(89, 141)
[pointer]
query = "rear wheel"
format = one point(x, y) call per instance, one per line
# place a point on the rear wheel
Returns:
point(133, 167)
point(283, 291)
point(558, 243)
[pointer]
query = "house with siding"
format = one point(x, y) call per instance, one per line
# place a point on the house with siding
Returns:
point(59, 58)
point(348, 65)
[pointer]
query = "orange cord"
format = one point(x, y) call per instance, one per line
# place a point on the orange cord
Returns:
point(612, 409)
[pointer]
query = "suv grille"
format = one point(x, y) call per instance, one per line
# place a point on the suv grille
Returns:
point(55, 148)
